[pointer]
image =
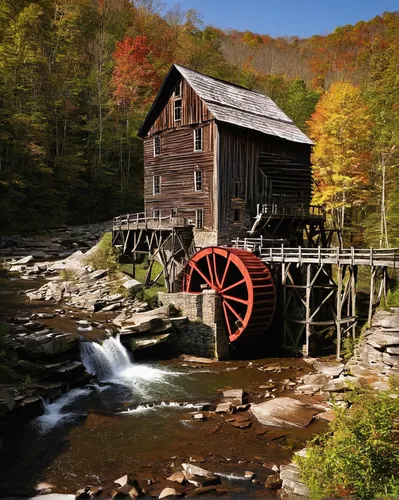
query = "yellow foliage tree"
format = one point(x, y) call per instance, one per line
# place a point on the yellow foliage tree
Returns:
point(341, 130)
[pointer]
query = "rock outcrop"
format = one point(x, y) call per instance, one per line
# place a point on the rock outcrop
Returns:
point(377, 354)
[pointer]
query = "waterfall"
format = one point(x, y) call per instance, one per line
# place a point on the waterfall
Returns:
point(54, 413)
point(108, 361)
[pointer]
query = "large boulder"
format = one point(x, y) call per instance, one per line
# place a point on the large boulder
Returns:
point(49, 344)
point(155, 321)
point(132, 285)
point(285, 412)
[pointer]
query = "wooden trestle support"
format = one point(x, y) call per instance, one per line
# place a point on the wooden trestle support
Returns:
point(314, 303)
point(319, 288)
point(168, 241)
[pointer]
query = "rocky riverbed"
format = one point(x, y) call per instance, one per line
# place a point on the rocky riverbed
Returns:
point(103, 425)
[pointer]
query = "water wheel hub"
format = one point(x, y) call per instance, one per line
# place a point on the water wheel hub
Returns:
point(244, 283)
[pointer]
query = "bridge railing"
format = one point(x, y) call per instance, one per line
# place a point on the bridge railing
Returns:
point(297, 210)
point(129, 220)
point(334, 255)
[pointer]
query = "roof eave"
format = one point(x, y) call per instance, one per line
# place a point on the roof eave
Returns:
point(307, 142)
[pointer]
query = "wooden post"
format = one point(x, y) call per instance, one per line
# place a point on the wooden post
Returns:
point(339, 311)
point(385, 282)
point(307, 301)
point(372, 276)
point(283, 283)
point(134, 255)
point(353, 293)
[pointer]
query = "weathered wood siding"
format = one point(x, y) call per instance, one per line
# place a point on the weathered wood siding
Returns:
point(194, 111)
point(176, 166)
point(241, 153)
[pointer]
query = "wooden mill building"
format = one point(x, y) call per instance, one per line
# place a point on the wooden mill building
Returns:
point(227, 179)
point(215, 152)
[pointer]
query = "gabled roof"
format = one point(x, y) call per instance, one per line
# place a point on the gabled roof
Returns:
point(231, 104)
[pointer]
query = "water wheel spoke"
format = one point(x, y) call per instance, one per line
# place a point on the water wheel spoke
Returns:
point(194, 266)
point(218, 283)
point(233, 285)
point(187, 278)
point(226, 316)
point(236, 299)
point(234, 312)
point(225, 271)
point(210, 270)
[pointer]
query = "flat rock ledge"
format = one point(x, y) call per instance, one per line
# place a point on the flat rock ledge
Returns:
point(285, 412)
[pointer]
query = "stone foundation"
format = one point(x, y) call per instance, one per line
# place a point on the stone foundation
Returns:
point(204, 334)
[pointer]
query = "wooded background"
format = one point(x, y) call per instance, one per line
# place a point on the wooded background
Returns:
point(77, 77)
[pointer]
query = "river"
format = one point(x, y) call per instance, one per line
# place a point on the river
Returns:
point(136, 418)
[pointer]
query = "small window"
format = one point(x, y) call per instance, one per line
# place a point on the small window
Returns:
point(198, 180)
point(156, 213)
point(156, 184)
point(237, 189)
point(237, 215)
point(173, 212)
point(157, 145)
point(199, 219)
point(177, 110)
point(198, 139)
point(177, 92)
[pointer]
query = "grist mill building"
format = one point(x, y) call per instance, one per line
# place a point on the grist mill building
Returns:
point(214, 152)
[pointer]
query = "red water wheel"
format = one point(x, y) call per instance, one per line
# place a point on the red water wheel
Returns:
point(242, 280)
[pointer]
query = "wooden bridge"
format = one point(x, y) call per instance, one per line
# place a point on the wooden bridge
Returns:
point(388, 257)
point(313, 300)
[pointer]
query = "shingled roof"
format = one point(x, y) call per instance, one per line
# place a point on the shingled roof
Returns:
point(235, 105)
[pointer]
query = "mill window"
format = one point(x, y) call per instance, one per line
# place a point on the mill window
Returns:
point(177, 92)
point(177, 110)
point(198, 180)
point(199, 219)
point(236, 215)
point(156, 184)
point(157, 145)
point(198, 139)
point(156, 213)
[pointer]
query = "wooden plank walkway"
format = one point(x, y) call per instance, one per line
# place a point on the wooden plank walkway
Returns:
point(384, 257)
point(141, 221)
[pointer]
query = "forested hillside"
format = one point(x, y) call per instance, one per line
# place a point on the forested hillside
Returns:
point(77, 76)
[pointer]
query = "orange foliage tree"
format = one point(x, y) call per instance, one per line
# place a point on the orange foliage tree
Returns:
point(134, 78)
point(341, 130)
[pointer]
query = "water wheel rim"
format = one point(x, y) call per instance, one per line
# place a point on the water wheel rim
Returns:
point(238, 311)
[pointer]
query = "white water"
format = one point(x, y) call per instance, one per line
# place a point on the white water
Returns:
point(164, 404)
point(110, 362)
point(53, 414)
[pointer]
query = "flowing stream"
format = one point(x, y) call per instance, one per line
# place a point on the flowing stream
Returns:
point(136, 418)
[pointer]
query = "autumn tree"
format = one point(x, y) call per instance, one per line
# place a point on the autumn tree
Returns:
point(341, 130)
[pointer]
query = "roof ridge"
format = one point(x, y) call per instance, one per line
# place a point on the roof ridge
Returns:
point(231, 84)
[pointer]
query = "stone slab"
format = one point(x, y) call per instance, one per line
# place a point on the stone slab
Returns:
point(284, 412)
